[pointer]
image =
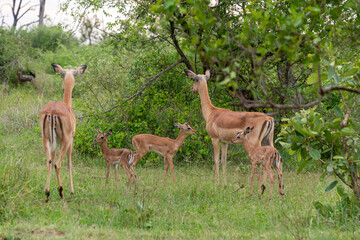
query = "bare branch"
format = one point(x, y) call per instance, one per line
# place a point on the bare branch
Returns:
point(336, 173)
point(144, 87)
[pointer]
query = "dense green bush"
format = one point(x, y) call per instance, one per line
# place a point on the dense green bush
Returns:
point(48, 38)
point(11, 50)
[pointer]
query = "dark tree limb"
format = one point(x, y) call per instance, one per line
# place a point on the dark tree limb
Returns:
point(177, 47)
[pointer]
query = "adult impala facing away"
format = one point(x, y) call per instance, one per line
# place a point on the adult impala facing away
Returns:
point(114, 156)
point(265, 155)
point(166, 147)
point(57, 123)
point(223, 124)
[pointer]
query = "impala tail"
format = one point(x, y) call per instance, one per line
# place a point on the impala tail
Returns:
point(131, 158)
point(268, 127)
point(277, 159)
point(53, 124)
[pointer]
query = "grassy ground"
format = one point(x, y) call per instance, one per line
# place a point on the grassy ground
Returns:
point(195, 208)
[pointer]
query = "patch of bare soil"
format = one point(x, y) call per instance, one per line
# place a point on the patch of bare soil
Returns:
point(48, 232)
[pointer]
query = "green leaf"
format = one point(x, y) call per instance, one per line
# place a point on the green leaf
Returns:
point(315, 154)
point(312, 79)
point(331, 73)
point(350, 72)
point(348, 131)
point(301, 167)
point(337, 111)
point(341, 191)
point(331, 186)
point(301, 130)
point(285, 145)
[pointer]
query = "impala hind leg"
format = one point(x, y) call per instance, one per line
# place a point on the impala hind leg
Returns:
point(137, 158)
point(64, 148)
point(50, 156)
point(224, 148)
point(262, 185)
point(280, 177)
point(70, 168)
point(128, 172)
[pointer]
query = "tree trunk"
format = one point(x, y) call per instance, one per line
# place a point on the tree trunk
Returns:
point(41, 12)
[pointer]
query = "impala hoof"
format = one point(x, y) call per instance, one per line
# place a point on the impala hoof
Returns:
point(47, 194)
point(262, 189)
point(61, 192)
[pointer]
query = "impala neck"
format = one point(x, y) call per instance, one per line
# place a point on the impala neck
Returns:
point(67, 97)
point(206, 105)
point(104, 147)
point(249, 149)
point(180, 139)
point(68, 86)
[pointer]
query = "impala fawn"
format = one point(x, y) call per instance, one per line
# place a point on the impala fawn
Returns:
point(166, 147)
point(114, 156)
point(267, 156)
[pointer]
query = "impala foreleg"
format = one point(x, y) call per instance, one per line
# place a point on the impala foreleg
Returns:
point(172, 169)
point(107, 173)
point(216, 147)
point(166, 168)
point(115, 175)
point(223, 160)
point(253, 168)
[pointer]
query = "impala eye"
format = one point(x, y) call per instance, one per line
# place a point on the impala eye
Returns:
point(238, 137)
point(102, 137)
point(189, 128)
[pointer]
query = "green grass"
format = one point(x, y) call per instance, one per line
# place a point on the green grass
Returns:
point(196, 208)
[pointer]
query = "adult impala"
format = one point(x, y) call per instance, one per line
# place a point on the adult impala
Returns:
point(261, 155)
point(166, 147)
point(57, 123)
point(114, 156)
point(223, 124)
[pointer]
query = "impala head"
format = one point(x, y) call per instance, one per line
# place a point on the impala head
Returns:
point(197, 79)
point(241, 135)
point(68, 74)
point(185, 127)
point(102, 137)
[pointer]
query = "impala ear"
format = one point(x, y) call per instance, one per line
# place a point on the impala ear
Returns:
point(191, 74)
point(248, 130)
point(98, 131)
point(80, 70)
point(207, 74)
point(177, 125)
point(58, 69)
point(108, 133)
